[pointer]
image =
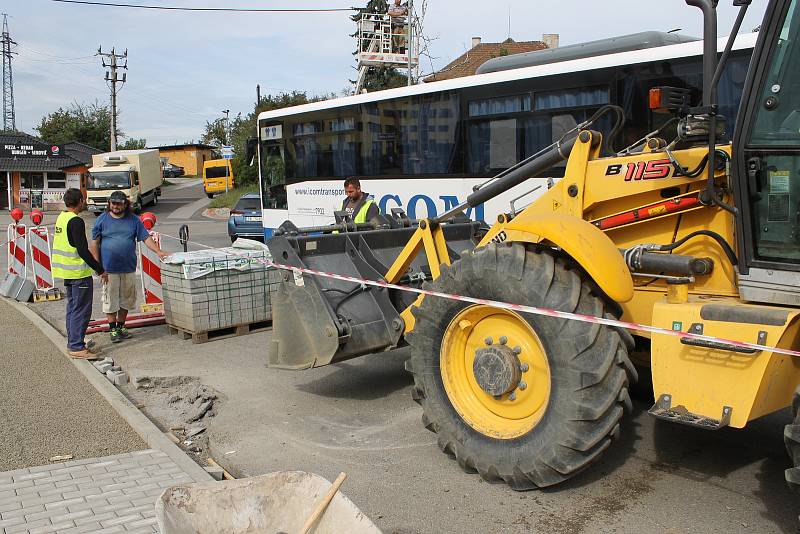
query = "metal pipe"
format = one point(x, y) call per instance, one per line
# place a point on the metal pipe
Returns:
point(343, 228)
point(729, 45)
point(708, 7)
point(510, 178)
point(555, 155)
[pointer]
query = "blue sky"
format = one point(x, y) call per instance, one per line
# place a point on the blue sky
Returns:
point(185, 67)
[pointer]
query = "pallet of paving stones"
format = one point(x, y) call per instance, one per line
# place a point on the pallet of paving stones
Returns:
point(217, 293)
point(221, 333)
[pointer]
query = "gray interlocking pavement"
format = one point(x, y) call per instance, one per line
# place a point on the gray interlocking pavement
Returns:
point(104, 495)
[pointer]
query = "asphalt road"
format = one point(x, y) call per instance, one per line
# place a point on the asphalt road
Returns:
point(201, 229)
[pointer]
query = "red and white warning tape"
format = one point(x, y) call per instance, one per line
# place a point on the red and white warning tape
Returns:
point(523, 308)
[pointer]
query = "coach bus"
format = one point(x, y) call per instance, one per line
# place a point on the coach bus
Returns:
point(423, 148)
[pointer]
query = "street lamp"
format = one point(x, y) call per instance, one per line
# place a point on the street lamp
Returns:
point(226, 111)
point(227, 162)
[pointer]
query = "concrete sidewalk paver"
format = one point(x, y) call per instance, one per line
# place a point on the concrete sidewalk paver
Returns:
point(109, 494)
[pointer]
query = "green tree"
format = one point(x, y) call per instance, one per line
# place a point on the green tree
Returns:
point(243, 127)
point(133, 144)
point(86, 123)
point(378, 78)
point(214, 133)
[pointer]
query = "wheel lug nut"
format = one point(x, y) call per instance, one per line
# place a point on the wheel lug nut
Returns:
point(522, 385)
point(524, 367)
point(488, 341)
point(513, 396)
point(517, 349)
point(503, 340)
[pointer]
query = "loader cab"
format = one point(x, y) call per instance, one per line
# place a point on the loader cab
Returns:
point(766, 164)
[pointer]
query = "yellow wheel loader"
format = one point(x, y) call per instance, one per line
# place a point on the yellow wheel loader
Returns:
point(676, 231)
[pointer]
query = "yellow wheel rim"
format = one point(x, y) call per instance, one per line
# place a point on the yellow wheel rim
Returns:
point(509, 415)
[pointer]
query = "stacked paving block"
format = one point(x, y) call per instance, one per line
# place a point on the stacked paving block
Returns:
point(218, 288)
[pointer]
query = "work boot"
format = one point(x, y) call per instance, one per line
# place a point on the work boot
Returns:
point(115, 337)
point(84, 354)
point(123, 333)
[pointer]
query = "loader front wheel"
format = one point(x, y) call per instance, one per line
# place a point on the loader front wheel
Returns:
point(526, 399)
point(791, 437)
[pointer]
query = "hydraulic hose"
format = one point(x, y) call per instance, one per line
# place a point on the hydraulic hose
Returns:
point(713, 235)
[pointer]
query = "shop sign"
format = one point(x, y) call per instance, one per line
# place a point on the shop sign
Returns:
point(29, 150)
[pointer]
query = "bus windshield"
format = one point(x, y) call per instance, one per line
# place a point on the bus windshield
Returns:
point(109, 180)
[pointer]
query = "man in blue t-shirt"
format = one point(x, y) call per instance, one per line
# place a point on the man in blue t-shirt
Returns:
point(114, 236)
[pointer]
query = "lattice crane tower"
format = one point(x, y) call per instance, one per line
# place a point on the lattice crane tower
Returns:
point(9, 122)
point(387, 39)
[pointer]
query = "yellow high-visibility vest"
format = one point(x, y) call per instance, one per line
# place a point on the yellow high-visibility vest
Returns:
point(65, 261)
point(361, 216)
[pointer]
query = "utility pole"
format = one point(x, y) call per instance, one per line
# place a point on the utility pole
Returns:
point(227, 161)
point(410, 43)
point(258, 94)
point(112, 79)
point(9, 121)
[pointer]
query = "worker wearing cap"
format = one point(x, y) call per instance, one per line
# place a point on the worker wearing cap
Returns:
point(114, 236)
point(72, 261)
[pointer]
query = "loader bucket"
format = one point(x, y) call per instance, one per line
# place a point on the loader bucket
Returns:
point(318, 321)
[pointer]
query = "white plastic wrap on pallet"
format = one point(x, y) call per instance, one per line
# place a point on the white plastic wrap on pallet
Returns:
point(199, 263)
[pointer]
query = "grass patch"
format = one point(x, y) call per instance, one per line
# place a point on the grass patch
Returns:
point(227, 200)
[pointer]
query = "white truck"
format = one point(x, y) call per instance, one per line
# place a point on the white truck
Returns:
point(137, 173)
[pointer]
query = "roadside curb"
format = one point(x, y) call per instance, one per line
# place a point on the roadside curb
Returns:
point(143, 426)
point(217, 213)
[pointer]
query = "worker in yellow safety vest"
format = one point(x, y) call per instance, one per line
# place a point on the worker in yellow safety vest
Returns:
point(72, 261)
point(358, 204)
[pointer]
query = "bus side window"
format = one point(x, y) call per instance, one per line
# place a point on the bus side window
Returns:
point(562, 124)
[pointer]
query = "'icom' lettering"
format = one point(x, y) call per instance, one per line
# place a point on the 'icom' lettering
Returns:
point(414, 206)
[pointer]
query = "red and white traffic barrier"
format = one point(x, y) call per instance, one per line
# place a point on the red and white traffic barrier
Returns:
point(39, 239)
point(17, 245)
point(151, 265)
point(151, 273)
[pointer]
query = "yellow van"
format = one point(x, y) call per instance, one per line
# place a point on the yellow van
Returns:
point(214, 172)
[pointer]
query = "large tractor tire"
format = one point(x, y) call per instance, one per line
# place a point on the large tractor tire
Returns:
point(791, 437)
point(526, 399)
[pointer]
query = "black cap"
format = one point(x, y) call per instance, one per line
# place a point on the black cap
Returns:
point(118, 196)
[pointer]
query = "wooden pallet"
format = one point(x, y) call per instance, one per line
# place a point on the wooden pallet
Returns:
point(221, 333)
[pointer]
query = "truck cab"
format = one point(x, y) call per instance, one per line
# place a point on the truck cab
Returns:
point(137, 173)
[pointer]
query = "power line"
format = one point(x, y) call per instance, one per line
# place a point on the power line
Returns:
point(25, 48)
point(225, 9)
